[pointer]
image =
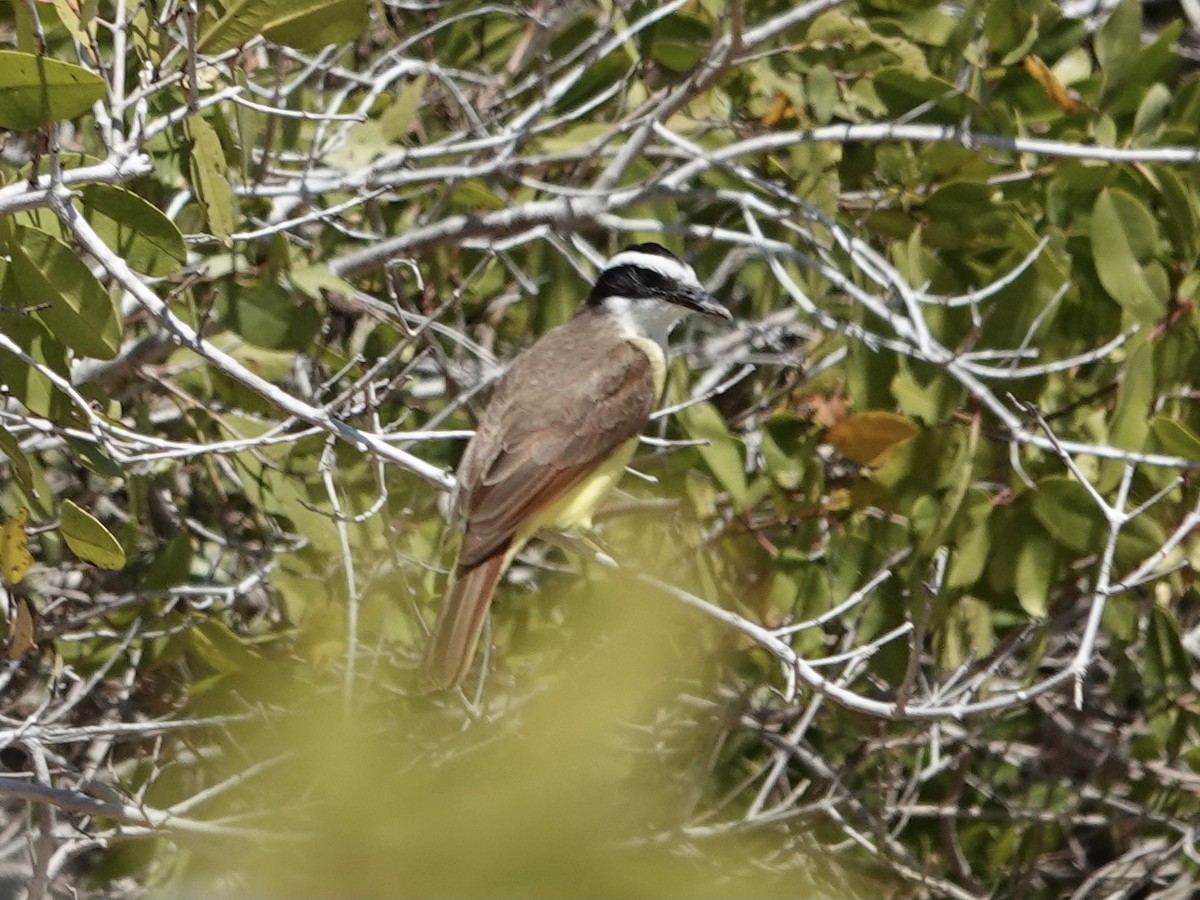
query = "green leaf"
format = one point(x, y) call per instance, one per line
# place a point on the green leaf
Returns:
point(1022, 48)
point(75, 16)
point(1182, 219)
point(721, 454)
point(599, 77)
point(823, 93)
point(573, 138)
point(268, 316)
point(1167, 662)
point(94, 457)
point(221, 649)
point(134, 228)
point(1117, 43)
point(1129, 427)
point(402, 115)
point(960, 213)
point(931, 26)
point(68, 159)
point(972, 549)
point(304, 24)
point(1140, 539)
point(967, 633)
point(82, 314)
point(312, 280)
point(903, 90)
point(36, 90)
point(1139, 224)
point(1067, 511)
point(1176, 438)
point(1134, 400)
point(318, 23)
point(1151, 113)
point(1034, 574)
point(172, 565)
point(951, 501)
point(1009, 27)
point(926, 401)
point(900, 5)
point(475, 194)
point(88, 539)
point(22, 381)
point(283, 494)
point(923, 518)
point(783, 437)
point(208, 168)
point(679, 42)
point(18, 465)
point(365, 143)
point(1117, 235)
point(1121, 618)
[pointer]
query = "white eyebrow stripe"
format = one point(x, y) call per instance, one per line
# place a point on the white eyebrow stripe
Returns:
point(663, 265)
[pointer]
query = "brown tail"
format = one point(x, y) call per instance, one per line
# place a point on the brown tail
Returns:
point(459, 623)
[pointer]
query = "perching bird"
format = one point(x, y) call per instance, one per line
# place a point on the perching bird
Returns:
point(558, 432)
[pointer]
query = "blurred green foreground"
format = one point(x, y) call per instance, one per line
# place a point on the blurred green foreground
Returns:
point(575, 779)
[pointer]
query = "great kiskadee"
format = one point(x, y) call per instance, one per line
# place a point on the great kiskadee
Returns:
point(560, 428)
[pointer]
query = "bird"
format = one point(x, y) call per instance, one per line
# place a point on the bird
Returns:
point(555, 436)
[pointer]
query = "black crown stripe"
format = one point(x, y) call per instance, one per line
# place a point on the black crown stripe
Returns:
point(635, 282)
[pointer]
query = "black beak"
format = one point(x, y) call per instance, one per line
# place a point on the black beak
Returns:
point(702, 302)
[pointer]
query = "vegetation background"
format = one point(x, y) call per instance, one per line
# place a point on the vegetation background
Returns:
point(905, 601)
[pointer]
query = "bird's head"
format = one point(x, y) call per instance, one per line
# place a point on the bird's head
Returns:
point(648, 289)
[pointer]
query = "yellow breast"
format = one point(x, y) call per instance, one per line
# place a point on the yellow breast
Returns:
point(576, 508)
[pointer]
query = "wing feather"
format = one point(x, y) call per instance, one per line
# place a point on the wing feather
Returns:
point(521, 461)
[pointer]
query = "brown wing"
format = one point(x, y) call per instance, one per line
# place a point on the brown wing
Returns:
point(594, 394)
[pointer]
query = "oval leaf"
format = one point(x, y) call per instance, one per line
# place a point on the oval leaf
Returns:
point(1175, 438)
point(1168, 663)
point(305, 24)
point(135, 229)
point(1115, 238)
point(268, 316)
point(1034, 574)
point(1135, 399)
point(1117, 43)
point(20, 379)
point(1067, 511)
point(15, 558)
point(313, 24)
point(679, 42)
point(82, 315)
point(35, 90)
point(208, 168)
point(15, 459)
point(80, 23)
point(88, 539)
point(865, 437)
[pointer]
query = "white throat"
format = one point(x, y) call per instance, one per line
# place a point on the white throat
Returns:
point(651, 319)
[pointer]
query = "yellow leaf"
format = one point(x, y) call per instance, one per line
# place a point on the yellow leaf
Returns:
point(1065, 99)
point(780, 108)
point(15, 558)
point(865, 437)
point(20, 631)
